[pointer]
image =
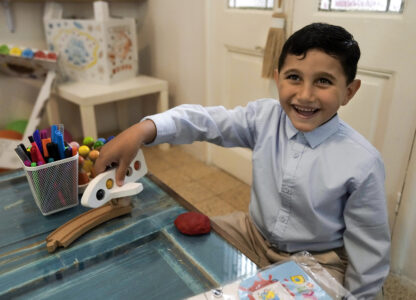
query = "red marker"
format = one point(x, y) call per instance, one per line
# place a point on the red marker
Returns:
point(35, 149)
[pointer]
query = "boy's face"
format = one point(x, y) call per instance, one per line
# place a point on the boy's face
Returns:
point(312, 88)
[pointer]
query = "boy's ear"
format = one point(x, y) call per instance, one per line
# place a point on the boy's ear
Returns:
point(352, 88)
point(276, 75)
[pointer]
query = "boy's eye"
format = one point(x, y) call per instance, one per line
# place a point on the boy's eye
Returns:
point(324, 81)
point(293, 77)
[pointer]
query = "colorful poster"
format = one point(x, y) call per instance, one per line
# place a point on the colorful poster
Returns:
point(285, 281)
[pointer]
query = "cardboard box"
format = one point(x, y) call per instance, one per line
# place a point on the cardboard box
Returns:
point(100, 50)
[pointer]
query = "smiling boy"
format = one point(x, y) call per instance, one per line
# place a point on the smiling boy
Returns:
point(312, 88)
point(318, 185)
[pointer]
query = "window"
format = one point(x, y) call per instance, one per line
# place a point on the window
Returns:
point(395, 6)
point(253, 4)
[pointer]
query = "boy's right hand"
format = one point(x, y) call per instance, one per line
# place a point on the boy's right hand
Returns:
point(122, 149)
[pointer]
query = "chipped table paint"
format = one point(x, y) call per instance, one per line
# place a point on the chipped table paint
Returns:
point(136, 256)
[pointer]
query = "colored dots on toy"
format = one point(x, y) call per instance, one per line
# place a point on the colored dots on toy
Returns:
point(110, 138)
point(84, 150)
point(102, 140)
point(88, 141)
point(28, 53)
point(40, 54)
point(109, 183)
point(93, 155)
point(4, 49)
point(16, 51)
point(51, 56)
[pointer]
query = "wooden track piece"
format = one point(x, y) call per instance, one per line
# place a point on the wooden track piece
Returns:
point(64, 235)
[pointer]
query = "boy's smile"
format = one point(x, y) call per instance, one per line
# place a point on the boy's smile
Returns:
point(312, 88)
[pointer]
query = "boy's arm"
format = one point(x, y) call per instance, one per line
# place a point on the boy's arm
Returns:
point(367, 235)
point(181, 125)
point(123, 148)
point(187, 123)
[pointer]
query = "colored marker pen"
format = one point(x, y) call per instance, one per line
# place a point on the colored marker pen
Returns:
point(24, 150)
point(33, 154)
point(53, 151)
point(61, 128)
point(22, 156)
point(68, 152)
point(38, 141)
point(38, 153)
point(45, 141)
point(54, 128)
point(60, 143)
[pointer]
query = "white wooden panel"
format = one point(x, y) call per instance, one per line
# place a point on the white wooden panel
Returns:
point(244, 81)
point(404, 235)
point(368, 109)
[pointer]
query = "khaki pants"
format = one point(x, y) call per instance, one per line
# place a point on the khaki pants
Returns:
point(239, 229)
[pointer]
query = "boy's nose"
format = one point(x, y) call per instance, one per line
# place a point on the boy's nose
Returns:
point(305, 93)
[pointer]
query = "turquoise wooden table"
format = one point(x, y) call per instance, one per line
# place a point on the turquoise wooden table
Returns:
point(137, 256)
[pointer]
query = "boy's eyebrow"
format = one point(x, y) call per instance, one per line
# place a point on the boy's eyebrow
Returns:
point(326, 74)
point(291, 71)
point(320, 74)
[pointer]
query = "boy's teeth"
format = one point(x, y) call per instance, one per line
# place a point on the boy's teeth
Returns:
point(304, 109)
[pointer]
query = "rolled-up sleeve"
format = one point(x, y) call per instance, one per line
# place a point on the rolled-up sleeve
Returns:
point(187, 123)
point(367, 235)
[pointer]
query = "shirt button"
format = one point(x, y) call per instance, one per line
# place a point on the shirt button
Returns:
point(283, 219)
point(296, 155)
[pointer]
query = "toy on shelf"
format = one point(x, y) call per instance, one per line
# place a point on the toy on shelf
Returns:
point(107, 199)
point(26, 62)
point(32, 64)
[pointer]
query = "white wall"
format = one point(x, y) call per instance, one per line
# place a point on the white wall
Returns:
point(404, 234)
point(171, 46)
point(175, 32)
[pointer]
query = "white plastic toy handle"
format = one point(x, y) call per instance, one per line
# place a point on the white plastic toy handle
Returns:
point(103, 187)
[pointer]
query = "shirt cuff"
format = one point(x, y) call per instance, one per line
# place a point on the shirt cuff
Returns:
point(165, 128)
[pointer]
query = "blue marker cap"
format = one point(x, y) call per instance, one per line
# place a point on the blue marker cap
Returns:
point(60, 142)
point(54, 128)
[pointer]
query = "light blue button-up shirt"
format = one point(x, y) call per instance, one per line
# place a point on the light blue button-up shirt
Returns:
point(313, 191)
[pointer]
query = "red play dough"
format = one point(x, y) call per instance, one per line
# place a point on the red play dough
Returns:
point(193, 223)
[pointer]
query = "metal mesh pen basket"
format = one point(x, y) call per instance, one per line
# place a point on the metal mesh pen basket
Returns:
point(54, 185)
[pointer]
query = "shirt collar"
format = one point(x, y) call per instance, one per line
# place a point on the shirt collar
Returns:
point(316, 136)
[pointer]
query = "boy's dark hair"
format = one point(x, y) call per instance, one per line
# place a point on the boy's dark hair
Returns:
point(333, 40)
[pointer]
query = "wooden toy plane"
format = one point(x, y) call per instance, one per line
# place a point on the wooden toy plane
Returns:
point(107, 200)
point(104, 188)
